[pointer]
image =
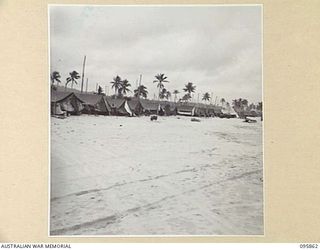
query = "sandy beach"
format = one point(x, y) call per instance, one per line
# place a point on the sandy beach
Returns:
point(130, 176)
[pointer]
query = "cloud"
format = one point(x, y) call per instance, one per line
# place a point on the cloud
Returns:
point(217, 48)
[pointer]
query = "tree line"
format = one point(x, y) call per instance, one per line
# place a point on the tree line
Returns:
point(122, 87)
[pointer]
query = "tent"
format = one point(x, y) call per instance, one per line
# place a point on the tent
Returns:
point(214, 110)
point(168, 108)
point(94, 104)
point(118, 106)
point(186, 109)
point(65, 101)
point(201, 110)
point(150, 107)
point(135, 106)
point(228, 113)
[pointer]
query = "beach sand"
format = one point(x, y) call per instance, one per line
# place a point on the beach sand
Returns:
point(131, 176)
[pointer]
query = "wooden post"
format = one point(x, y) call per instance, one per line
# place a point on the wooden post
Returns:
point(139, 86)
point(87, 86)
point(84, 62)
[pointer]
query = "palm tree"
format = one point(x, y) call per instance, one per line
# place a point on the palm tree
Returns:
point(223, 101)
point(55, 76)
point(160, 79)
point(175, 92)
point(252, 106)
point(124, 87)
point(259, 106)
point(244, 102)
point(116, 83)
point(163, 93)
point(206, 97)
point(72, 78)
point(186, 97)
point(190, 88)
point(141, 91)
point(235, 103)
point(168, 95)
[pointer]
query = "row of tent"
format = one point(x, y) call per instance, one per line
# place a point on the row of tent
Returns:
point(82, 103)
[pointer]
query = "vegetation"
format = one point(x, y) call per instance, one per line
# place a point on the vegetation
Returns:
point(116, 84)
point(259, 106)
point(240, 104)
point(206, 97)
point(160, 79)
point(168, 95)
point(164, 94)
point(55, 77)
point(121, 87)
point(223, 101)
point(190, 88)
point(186, 97)
point(175, 92)
point(141, 91)
point(124, 87)
point(74, 75)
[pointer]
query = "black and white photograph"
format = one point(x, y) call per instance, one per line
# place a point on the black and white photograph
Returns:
point(156, 120)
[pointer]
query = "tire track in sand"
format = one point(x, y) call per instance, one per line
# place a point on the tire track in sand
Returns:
point(111, 219)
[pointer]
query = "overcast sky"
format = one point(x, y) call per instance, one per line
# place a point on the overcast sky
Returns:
point(218, 48)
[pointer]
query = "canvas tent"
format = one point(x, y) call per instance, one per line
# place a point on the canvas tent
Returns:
point(217, 110)
point(150, 107)
point(94, 104)
point(135, 106)
point(65, 101)
point(210, 111)
point(118, 106)
point(186, 109)
point(228, 113)
point(201, 110)
point(168, 108)
point(173, 109)
point(213, 110)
